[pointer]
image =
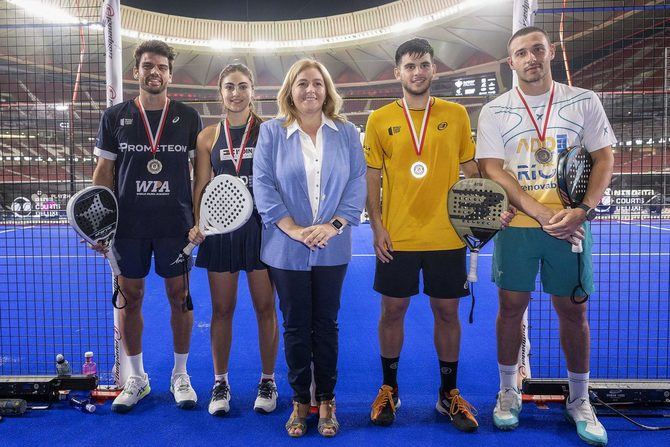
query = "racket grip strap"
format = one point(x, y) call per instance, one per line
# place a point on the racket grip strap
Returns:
point(189, 249)
point(116, 271)
point(472, 274)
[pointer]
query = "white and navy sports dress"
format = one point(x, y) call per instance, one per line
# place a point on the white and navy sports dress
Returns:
point(152, 207)
point(241, 249)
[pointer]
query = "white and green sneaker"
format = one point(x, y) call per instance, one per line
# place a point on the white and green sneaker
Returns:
point(133, 391)
point(507, 409)
point(183, 392)
point(580, 412)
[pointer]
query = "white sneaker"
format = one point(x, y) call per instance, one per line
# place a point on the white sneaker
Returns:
point(184, 394)
point(266, 402)
point(507, 409)
point(580, 412)
point(133, 391)
point(219, 404)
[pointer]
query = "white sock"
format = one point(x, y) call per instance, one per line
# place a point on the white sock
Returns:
point(221, 377)
point(267, 376)
point(179, 364)
point(579, 385)
point(136, 365)
point(508, 376)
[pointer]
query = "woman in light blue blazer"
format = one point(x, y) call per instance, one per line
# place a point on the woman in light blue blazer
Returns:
point(309, 184)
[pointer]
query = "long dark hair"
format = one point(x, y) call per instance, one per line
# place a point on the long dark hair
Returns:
point(241, 68)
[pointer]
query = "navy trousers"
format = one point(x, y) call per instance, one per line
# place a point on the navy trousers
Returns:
point(309, 302)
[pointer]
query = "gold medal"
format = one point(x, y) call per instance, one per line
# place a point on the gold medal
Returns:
point(543, 156)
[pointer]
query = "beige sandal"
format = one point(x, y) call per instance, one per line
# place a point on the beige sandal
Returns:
point(328, 426)
point(296, 426)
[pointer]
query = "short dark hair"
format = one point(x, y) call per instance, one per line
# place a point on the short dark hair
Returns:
point(416, 46)
point(524, 32)
point(154, 46)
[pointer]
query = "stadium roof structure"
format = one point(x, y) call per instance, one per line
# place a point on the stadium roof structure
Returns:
point(357, 47)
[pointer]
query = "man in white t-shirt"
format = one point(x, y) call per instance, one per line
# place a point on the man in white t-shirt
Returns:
point(519, 137)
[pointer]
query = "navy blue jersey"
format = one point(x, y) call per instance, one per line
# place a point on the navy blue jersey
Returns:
point(222, 161)
point(150, 205)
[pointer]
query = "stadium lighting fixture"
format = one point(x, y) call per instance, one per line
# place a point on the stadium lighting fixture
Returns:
point(220, 44)
point(62, 107)
point(48, 13)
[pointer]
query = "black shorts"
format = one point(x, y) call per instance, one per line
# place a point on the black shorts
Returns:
point(134, 256)
point(444, 274)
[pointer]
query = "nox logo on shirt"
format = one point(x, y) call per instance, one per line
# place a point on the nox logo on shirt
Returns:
point(152, 188)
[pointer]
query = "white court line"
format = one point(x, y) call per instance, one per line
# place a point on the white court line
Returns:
point(648, 226)
point(488, 255)
point(16, 229)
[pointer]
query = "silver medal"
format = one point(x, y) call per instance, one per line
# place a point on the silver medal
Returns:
point(419, 169)
point(154, 166)
point(543, 156)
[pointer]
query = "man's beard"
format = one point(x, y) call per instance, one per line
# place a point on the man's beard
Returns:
point(416, 91)
point(153, 90)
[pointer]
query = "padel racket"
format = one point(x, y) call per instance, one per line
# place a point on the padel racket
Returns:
point(572, 175)
point(93, 213)
point(225, 206)
point(474, 206)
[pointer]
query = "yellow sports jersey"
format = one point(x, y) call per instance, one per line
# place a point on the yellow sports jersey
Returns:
point(414, 210)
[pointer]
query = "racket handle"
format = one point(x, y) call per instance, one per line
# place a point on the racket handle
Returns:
point(109, 254)
point(472, 274)
point(189, 249)
point(577, 248)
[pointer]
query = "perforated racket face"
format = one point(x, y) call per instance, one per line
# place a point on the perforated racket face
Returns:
point(573, 172)
point(474, 206)
point(226, 204)
point(93, 213)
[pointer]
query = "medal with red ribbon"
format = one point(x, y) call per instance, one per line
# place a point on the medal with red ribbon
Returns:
point(154, 166)
point(542, 154)
point(418, 168)
point(237, 162)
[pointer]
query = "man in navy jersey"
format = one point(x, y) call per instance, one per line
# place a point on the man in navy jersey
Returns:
point(144, 147)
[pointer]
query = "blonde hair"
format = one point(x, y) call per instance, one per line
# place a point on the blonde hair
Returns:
point(331, 105)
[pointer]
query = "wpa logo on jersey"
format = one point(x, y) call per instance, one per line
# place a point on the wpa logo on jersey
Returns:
point(152, 188)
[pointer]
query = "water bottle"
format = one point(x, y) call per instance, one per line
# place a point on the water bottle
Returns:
point(89, 368)
point(63, 367)
point(82, 404)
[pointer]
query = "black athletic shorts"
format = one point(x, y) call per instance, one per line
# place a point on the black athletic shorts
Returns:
point(444, 274)
point(134, 256)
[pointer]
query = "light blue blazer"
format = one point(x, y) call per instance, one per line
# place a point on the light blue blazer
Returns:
point(280, 190)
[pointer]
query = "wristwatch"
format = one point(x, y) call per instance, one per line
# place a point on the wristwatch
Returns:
point(590, 212)
point(338, 226)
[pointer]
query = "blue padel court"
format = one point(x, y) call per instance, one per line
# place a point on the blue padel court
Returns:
point(66, 308)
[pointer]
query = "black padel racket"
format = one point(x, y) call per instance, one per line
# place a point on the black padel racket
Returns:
point(474, 206)
point(572, 175)
point(93, 213)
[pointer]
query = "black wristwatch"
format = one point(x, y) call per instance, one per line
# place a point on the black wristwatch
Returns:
point(590, 212)
point(338, 226)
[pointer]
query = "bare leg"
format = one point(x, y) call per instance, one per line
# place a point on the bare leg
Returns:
point(223, 287)
point(263, 298)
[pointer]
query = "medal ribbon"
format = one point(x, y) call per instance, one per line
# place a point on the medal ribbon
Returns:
point(245, 139)
point(153, 142)
point(542, 136)
point(418, 143)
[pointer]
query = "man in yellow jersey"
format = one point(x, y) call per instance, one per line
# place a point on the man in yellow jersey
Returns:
point(414, 148)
